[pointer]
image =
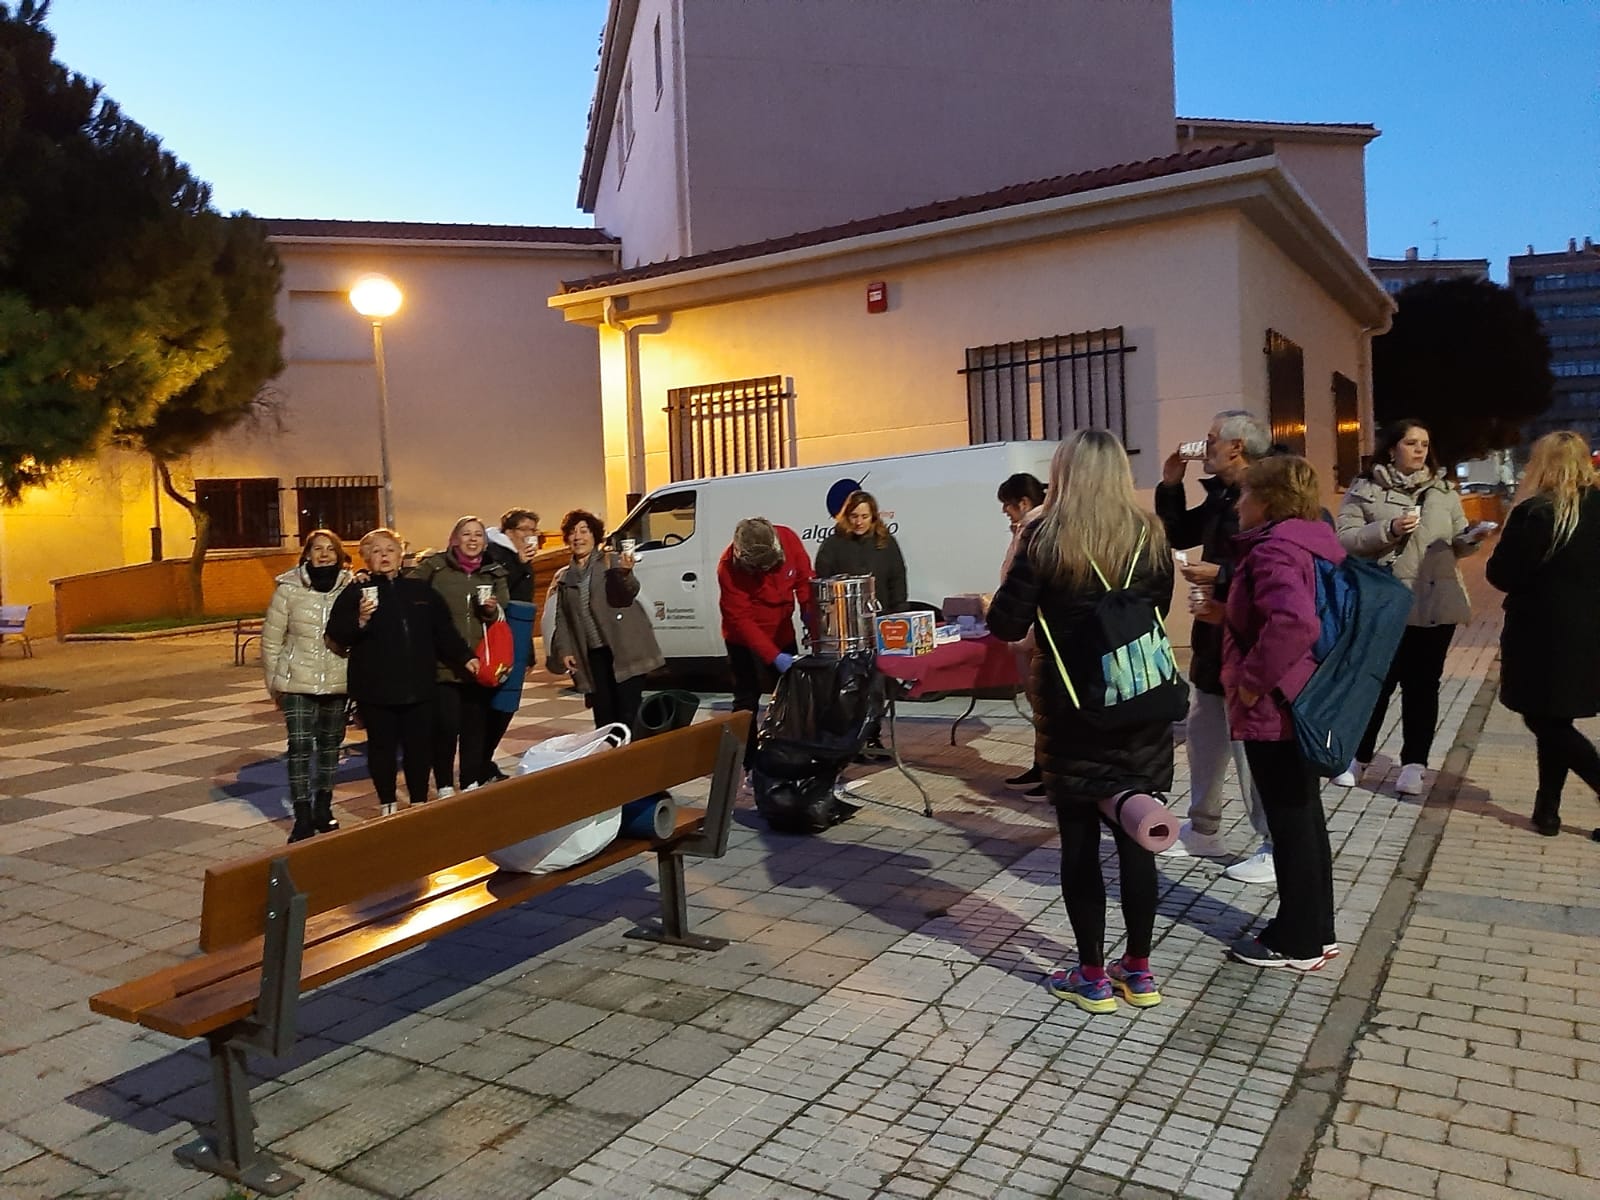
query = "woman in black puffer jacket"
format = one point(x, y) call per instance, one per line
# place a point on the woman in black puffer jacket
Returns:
point(1092, 525)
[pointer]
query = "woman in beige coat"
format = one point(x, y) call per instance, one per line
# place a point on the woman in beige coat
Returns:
point(607, 648)
point(1403, 514)
point(306, 677)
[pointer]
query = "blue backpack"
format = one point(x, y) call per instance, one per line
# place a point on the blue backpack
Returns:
point(1363, 609)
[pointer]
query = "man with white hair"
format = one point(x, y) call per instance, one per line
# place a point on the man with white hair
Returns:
point(1236, 440)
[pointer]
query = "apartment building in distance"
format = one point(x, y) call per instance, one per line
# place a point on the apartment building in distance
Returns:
point(1397, 274)
point(1563, 289)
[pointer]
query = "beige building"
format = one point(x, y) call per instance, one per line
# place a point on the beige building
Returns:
point(492, 402)
point(1142, 299)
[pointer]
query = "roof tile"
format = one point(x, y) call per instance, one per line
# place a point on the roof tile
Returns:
point(435, 231)
point(1006, 197)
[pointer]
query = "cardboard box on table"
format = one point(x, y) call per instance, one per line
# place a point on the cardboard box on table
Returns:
point(907, 633)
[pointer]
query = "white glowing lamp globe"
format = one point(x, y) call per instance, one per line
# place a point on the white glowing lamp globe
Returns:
point(375, 297)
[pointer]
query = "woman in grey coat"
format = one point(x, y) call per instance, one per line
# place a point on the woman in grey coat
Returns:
point(1403, 514)
point(607, 648)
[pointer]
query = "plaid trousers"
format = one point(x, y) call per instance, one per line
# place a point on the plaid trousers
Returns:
point(316, 731)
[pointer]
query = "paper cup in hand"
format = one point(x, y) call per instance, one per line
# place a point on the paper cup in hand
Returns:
point(627, 546)
point(485, 593)
point(1415, 511)
point(370, 595)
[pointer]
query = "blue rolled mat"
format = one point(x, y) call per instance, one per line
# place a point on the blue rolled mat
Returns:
point(652, 817)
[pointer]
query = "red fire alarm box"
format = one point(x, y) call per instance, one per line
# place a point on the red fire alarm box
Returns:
point(877, 297)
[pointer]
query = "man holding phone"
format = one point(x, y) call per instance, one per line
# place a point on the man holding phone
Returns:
point(1235, 441)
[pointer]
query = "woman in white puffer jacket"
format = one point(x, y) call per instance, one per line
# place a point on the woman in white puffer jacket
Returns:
point(306, 677)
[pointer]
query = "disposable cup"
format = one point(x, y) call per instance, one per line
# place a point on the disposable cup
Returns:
point(370, 594)
point(485, 593)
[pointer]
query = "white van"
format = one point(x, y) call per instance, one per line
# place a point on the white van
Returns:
point(940, 506)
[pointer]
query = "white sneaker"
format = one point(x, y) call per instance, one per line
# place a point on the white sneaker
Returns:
point(445, 793)
point(1255, 869)
point(386, 810)
point(471, 787)
point(1347, 777)
point(1193, 844)
point(1410, 781)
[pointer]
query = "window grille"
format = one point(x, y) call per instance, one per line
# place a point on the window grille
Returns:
point(1347, 430)
point(1045, 388)
point(346, 504)
point(244, 512)
point(1286, 392)
point(729, 428)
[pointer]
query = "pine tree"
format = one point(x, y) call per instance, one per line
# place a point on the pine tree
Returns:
point(131, 311)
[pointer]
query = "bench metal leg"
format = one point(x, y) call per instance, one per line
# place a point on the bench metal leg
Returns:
point(673, 928)
point(231, 1151)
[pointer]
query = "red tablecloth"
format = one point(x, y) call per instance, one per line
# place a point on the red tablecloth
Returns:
point(965, 666)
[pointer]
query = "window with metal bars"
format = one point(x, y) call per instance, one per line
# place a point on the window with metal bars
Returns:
point(345, 504)
point(244, 512)
point(1347, 430)
point(1045, 388)
point(729, 428)
point(1286, 392)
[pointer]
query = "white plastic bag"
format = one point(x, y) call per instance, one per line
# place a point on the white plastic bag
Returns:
point(571, 844)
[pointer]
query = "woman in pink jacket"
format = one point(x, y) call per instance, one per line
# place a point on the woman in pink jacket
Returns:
point(1269, 629)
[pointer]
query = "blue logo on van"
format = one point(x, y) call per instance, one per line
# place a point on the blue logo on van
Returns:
point(839, 493)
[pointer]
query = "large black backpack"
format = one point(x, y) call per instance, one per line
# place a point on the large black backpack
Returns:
point(1119, 671)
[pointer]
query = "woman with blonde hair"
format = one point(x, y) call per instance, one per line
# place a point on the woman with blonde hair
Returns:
point(1548, 565)
point(306, 676)
point(1093, 532)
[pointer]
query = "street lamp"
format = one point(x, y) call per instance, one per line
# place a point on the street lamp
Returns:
point(376, 297)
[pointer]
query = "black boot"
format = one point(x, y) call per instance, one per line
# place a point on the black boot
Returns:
point(322, 817)
point(303, 828)
point(1546, 818)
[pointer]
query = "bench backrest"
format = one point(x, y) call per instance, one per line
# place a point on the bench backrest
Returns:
point(375, 857)
point(13, 617)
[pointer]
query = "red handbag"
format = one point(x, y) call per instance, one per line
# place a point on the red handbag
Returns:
point(495, 653)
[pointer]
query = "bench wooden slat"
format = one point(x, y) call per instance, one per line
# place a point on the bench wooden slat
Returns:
point(433, 837)
point(128, 1000)
point(210, 1007)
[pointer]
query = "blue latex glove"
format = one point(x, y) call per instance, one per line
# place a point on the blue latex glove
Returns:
point(783, 662)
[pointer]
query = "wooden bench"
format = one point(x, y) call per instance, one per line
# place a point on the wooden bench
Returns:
point(245, 631)
point(14, 624)
point(286, 921)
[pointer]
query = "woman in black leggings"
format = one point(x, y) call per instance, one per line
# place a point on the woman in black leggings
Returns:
point(1093, 529)
point(1548, 565)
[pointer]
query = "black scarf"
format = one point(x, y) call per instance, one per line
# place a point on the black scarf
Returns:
point(323, 578)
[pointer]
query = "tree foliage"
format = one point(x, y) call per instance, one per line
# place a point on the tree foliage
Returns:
point(131, 311)
point(1468, 360)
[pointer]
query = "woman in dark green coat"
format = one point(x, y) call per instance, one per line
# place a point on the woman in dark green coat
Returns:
point(861, 544)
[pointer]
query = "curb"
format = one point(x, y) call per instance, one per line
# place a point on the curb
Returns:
point(150, 634)
point(1283, 1168)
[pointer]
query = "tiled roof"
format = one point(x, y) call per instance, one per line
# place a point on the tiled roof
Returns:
point(1006, 197)
point(435, 232)
point(1281, 124)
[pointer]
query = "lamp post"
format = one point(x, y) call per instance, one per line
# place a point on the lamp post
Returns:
point(376, 297)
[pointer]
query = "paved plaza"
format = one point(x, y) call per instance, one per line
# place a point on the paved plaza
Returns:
point(878, 1024)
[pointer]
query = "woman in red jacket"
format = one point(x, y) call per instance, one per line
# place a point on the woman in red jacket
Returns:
point(763, 574)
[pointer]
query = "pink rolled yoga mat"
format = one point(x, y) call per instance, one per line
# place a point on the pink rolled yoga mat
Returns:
point(1143, 818)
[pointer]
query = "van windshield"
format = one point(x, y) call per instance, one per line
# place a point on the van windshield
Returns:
point(664, 520)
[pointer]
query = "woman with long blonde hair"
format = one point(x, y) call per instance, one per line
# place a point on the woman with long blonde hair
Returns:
point(1093, 539)
point(1548, 565)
